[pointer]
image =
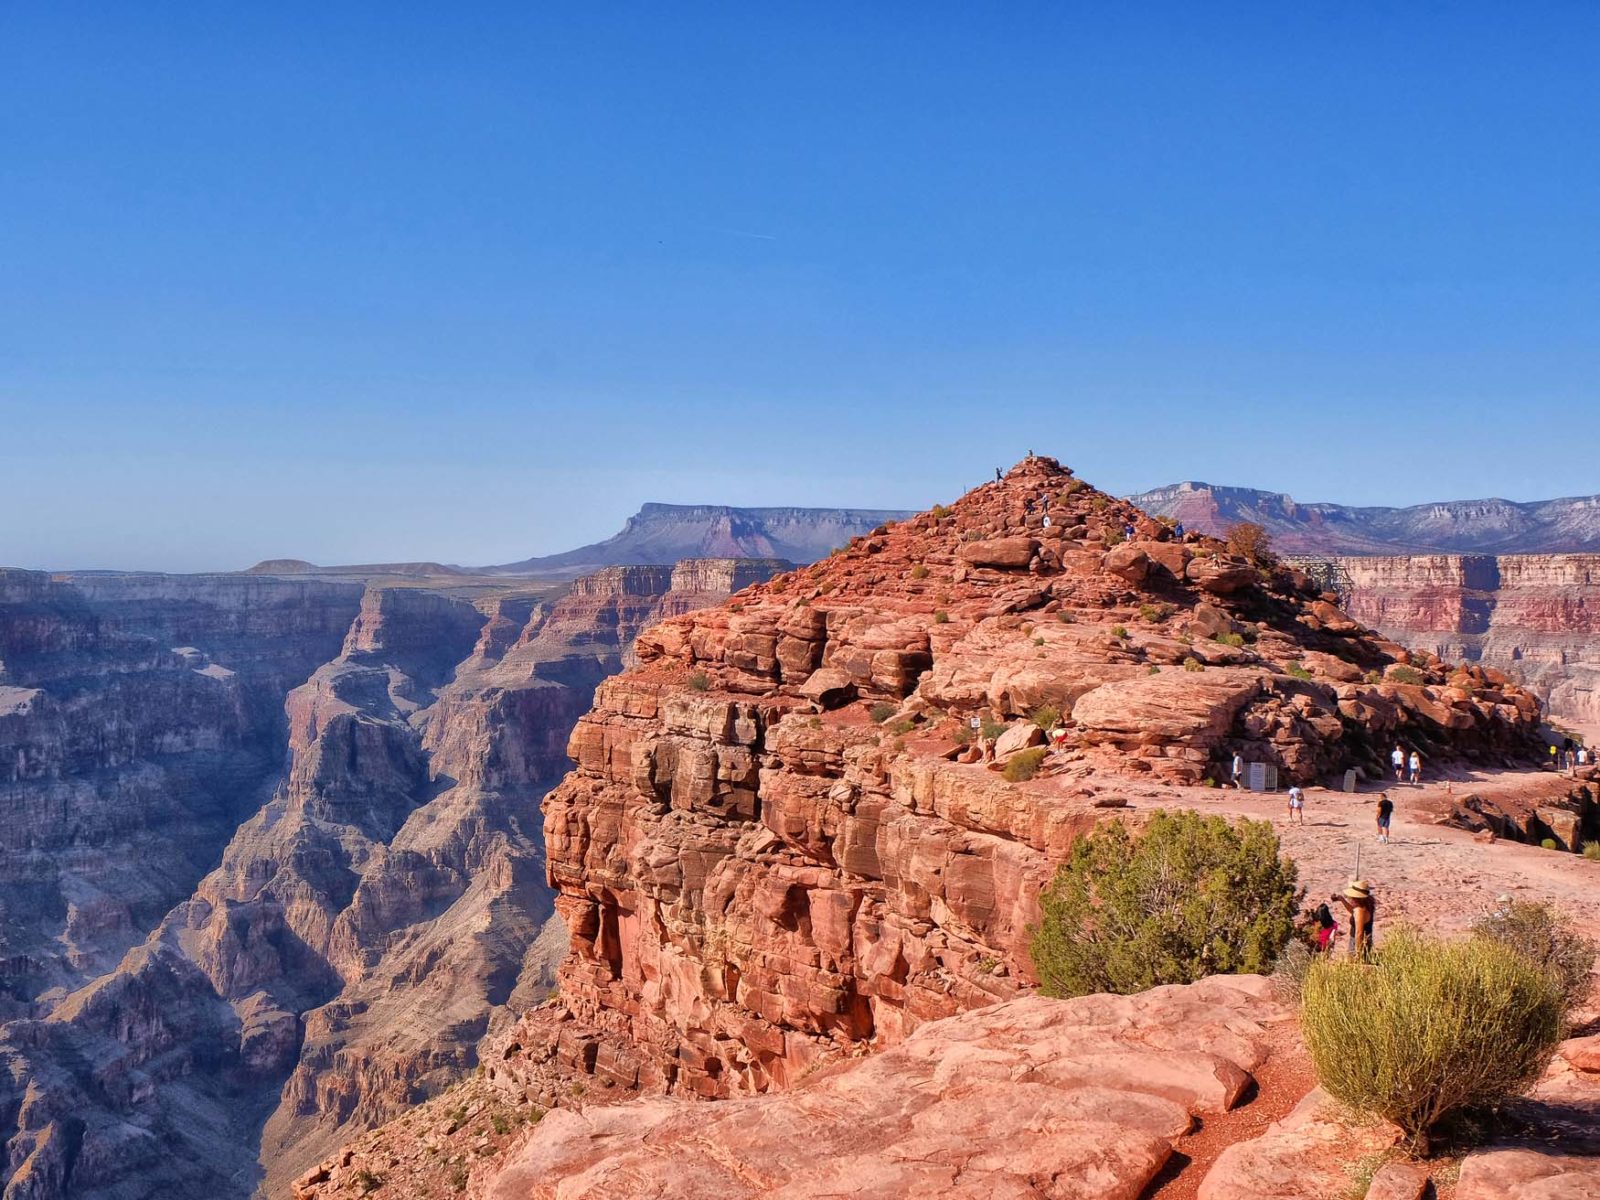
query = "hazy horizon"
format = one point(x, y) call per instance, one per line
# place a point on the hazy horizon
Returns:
point(402, 283)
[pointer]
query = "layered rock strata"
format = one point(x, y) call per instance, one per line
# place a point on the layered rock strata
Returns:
point(775, 846)
point(1534, 616)
point(381, 905)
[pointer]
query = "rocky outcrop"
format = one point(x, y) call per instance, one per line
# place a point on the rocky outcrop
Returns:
point(380, 904)
point(776, 846)
point(1534, 617)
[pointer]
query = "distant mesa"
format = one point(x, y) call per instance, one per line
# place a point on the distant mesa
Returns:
point(1565, 526)
point(299, 566)
point(666, 533)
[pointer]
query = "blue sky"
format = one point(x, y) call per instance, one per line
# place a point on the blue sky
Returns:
point(470, 282)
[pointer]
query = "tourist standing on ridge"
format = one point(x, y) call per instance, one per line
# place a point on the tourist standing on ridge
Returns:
point(1363, 909)
point(997, 476)
point(1416, 767)
point(1297, 806)
point(1385, 814)
point(1398, 758)
point(1177, 532)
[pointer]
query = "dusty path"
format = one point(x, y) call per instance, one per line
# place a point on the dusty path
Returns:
point(1430, 874)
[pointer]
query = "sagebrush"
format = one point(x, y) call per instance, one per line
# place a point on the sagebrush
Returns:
point(1428, 1028)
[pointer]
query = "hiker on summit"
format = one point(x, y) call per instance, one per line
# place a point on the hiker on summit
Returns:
point(1359, 902)
point(1297, 806)
point(1398, 758)
point(1177, 532)
point(1416, 768)
point(1385, 814)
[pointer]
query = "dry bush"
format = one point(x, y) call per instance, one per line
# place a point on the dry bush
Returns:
point(1429, 1028)
point(1540, 935)
point(1023, 765)
point(1251, 543)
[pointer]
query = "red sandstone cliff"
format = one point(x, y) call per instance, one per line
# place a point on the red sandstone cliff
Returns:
point(755, 874)
point(1534, 616)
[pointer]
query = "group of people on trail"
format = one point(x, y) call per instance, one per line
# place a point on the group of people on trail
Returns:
point(1404, 765)
point(1360, 907)
point(1571, 755)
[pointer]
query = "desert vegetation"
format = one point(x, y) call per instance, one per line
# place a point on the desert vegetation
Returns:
point(1429, 1028)
point(1190, 896)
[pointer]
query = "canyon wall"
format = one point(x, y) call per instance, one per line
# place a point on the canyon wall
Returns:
point(1534, 616)
point(284, 837)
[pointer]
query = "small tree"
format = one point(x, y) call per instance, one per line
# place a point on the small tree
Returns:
point(1252, 543)
point(1429, 1028)
point(1539, 934)
point(1191, 896)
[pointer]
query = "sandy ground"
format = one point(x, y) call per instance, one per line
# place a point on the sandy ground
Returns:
point(1429, 874)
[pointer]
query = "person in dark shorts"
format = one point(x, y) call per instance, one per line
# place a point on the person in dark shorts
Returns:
point(1385, 815)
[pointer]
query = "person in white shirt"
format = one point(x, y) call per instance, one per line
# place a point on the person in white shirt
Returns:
point(1398, 758)
point(1416, 767)
point(1297, 806)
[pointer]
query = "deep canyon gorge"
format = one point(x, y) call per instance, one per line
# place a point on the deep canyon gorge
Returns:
point(274, 871)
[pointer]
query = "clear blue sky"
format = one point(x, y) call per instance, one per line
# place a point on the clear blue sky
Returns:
point(470, 281)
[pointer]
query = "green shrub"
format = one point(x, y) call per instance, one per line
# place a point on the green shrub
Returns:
point(1192, 896)
point(941, 617)
point(1155, 613)
point(963, 734)
point(1024, 764)
point(1591, 851)
point(1045, 716)
point(939, 511)
point(1549, 844)
point(1038, 641)
point(1072, 487)
point(1539, 934)
point(920, 571)
point(1064, 617)
point(1113, 537)
point(1373, 677)
point(1193, 664)
point(1099, 504)
point(1298, 671)
point(1408, 675)
point(1154, 670)
point(1429, 1028)
point(699, 682)
point(1229, 639)
point(903, 726)
point(1119, 631)
point(882, 711)
point(993, 729)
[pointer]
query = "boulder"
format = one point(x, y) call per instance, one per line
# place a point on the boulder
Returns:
point(1221, 576)
point(829, 687)
point(1018, 736)
point(1006, 553)
point(1128, 562)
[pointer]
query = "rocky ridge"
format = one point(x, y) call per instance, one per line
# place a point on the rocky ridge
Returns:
point(775, 847)
point(1565, 526)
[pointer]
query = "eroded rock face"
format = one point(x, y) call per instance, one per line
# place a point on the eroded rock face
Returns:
point(378, 909)
point(766, 853)
point(1534, 616)
point(1075, 1100)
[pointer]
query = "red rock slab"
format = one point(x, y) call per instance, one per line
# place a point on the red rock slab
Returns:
point(1518, 1174)
point(1069, 1100)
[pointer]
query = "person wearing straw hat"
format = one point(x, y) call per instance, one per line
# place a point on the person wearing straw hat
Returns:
point(1359, 902)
